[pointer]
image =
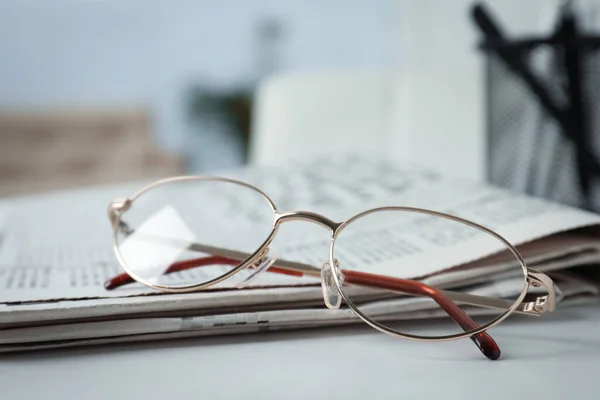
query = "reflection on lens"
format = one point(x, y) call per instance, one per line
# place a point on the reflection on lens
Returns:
point(166, 235)
point(392, 261)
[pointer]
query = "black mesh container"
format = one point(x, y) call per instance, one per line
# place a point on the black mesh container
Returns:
point(543, 122)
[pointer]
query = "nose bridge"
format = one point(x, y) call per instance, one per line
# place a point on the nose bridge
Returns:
point(308, 216)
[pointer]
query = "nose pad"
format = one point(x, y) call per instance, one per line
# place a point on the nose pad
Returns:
point(331, 294)
point(264, 265)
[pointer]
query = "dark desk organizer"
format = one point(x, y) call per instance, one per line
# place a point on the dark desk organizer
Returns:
point(542, 118)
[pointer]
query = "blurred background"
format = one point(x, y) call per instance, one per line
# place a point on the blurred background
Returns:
point(102, 91)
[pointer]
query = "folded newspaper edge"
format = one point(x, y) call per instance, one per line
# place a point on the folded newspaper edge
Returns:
point(576, 291)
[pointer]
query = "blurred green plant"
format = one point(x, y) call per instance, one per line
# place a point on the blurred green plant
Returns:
point(232, 108)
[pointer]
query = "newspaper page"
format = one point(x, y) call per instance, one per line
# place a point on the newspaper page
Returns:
point(56, 249)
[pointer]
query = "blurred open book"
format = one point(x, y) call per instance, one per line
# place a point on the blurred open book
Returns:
point(56, 253)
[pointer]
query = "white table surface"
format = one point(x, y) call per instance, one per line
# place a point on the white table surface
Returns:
point(553, 357)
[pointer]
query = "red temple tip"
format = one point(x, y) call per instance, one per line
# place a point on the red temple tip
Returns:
point(487, 345)
point(117, 281)
point(110, 284)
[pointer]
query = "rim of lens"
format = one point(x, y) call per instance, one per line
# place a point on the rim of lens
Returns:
point(193, 287)
point(385, 329)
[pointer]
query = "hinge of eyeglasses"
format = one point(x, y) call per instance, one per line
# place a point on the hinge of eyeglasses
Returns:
point(543, 303)
point(117, 206)
point(536, 307)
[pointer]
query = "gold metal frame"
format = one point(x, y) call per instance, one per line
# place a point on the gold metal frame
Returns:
point(531, 277)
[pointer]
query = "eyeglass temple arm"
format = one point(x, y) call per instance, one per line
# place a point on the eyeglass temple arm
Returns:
point(535, 278)
point(483, 340)
point(534, 307)
point(125, 279)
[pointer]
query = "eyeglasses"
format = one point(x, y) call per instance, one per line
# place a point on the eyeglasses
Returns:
point(394, 267)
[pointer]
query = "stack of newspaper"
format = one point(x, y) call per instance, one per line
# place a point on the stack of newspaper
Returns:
point(56, 253)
